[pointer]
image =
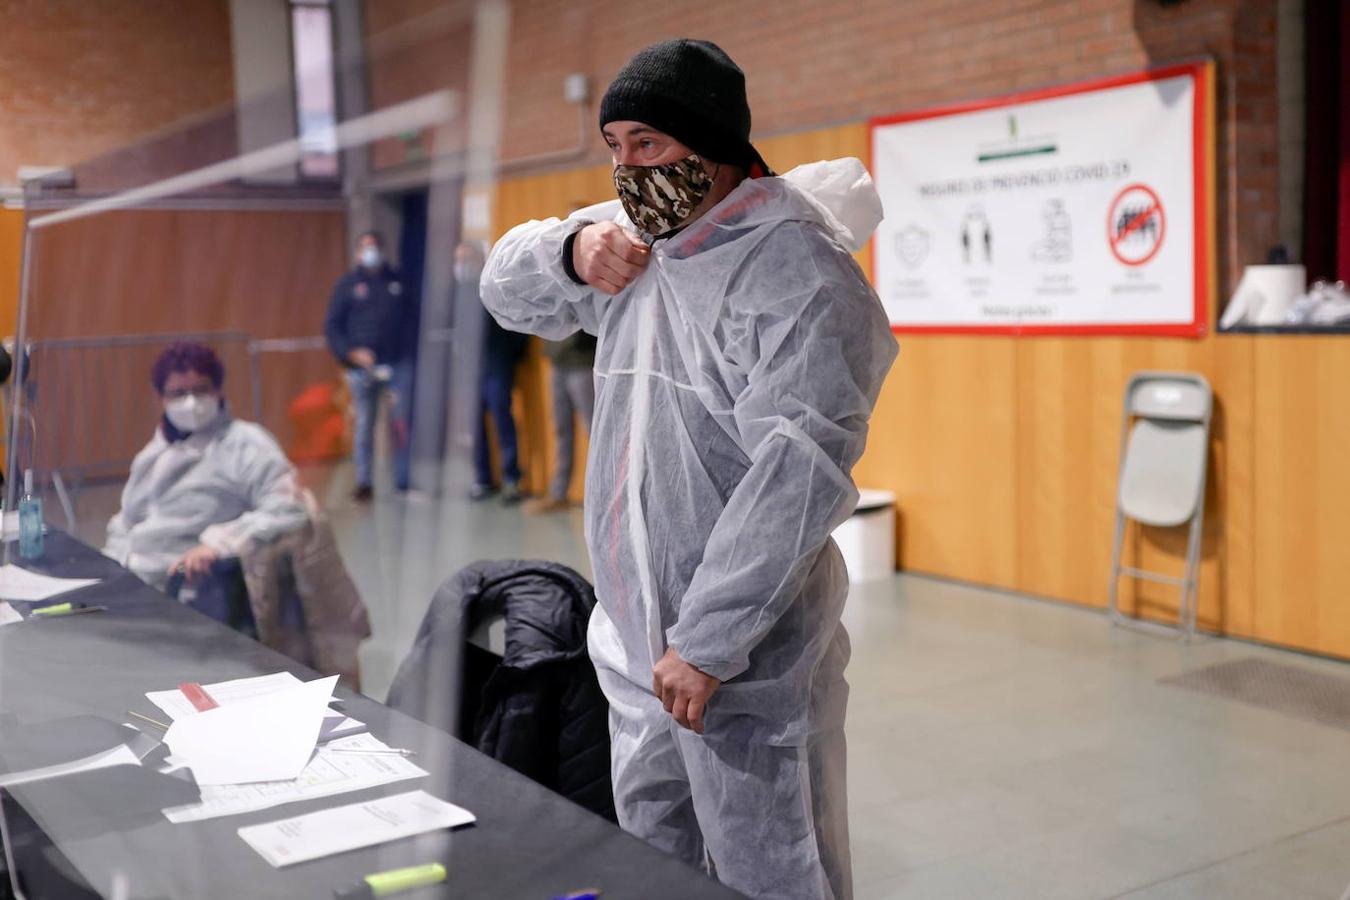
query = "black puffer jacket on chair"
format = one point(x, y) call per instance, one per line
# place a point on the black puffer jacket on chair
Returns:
point(539, 708)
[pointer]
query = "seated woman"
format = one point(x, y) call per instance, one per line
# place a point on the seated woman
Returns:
point(204, 489)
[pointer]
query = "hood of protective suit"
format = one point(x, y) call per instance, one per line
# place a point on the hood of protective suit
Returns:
point(843, 195)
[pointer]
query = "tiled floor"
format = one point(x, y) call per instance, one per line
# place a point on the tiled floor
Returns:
point(1000, 746)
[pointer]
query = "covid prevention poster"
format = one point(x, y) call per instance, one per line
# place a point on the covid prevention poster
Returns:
point(1081, 209)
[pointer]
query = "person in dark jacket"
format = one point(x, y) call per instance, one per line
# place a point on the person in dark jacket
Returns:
point(538, 709)
point(572, 386)
point(372, 330)
point(502, 353)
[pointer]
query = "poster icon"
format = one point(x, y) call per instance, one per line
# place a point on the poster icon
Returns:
point(911, 245)
point(976, 234)
point(1057, 245)
point(1136, 225)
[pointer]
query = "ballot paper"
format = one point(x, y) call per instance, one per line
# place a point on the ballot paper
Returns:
point(20, 584)
point(121, 755)
point(352, 827)
point(175, 703)
point(269, 737)
point(326, 775)
point(8, 615)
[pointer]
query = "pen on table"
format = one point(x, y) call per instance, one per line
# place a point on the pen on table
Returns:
point(382, 884)
point(396, 751)
point(588, 894)
point(66, 609)
point(157, 724)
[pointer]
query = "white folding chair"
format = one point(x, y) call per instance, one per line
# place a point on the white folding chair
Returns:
point(1164, 454)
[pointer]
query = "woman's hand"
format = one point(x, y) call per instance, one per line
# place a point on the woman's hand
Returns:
point(195, 564)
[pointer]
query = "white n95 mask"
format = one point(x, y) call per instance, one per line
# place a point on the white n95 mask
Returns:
point(192, 412)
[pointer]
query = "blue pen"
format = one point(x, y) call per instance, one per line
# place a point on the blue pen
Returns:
point(588, 894)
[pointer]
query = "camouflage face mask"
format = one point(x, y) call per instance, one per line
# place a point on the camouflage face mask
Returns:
point(660, 199)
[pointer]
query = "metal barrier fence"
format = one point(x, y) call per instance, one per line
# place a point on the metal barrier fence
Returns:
point(89, 406)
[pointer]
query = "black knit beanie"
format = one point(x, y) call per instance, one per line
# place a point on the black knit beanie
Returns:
point(692, 91)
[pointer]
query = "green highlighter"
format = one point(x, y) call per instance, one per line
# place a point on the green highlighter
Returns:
point(383, 884)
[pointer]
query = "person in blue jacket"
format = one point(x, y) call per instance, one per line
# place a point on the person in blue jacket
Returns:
point(503, 351)
point(372, 330)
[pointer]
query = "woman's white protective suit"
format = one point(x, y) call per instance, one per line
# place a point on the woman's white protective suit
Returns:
point(734, 381)
point(227, 486)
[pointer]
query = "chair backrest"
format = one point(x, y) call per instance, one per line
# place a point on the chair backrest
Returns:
point(1165, 447)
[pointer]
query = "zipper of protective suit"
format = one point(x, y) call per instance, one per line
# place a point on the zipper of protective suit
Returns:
point(637, 467)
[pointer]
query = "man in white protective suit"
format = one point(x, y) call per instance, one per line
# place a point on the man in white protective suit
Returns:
point(740, 353)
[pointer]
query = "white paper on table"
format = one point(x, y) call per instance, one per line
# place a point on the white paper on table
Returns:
point(336, 725)
point(17, 583)
point(121, 755)
point(175, 705)
point(265, 738)
point(351, 827)
point(8, 614)
point(326, 775)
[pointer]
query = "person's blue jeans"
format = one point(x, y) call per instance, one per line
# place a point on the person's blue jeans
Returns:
point(221, 595)
point(366, 390)
point(496, 402)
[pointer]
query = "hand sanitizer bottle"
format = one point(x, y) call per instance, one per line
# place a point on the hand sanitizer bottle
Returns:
point(30, 521)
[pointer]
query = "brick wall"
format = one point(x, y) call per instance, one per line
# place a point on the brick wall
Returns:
point(79, 78)
point(414, 47)
point(815, 62)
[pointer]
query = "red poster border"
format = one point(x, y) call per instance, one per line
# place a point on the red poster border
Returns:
point(1202, 73)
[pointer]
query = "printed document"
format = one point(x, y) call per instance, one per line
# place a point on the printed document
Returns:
point(327, 774)
point(351, 827)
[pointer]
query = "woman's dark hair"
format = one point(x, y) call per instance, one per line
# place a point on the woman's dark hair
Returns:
point(187, 357)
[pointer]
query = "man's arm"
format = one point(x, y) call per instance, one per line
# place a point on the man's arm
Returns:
point(822, 353)
point(528, 289)
point(335, 322)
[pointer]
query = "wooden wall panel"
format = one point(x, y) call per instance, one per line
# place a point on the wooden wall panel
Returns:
point(943, 438)
point(11, 254)
point(519, 200)
point(1302, 492)
point(1236, 428)
point(265, 273)
point(1067, 415)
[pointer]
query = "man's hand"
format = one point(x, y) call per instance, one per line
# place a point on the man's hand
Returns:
point(362, 358)
point(683, 689)
point(607, 257)
point(195, 564)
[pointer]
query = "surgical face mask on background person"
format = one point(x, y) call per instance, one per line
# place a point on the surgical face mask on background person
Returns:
point(192, 411)
point(370, 257)
point(660, 199)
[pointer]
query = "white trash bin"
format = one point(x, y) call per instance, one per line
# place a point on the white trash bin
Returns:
point(867, 538)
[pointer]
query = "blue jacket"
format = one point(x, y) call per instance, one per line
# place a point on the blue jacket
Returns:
point(375, 310)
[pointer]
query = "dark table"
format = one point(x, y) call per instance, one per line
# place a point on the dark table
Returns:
point(528, 843)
